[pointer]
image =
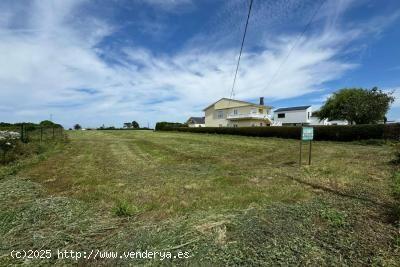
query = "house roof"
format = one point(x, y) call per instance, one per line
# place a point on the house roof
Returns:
point(237, 101)
point(197, 120)
point(292, 108)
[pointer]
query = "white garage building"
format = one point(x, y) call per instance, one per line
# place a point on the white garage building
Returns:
point(301, 115)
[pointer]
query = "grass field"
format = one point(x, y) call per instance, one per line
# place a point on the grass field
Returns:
point(226, 199)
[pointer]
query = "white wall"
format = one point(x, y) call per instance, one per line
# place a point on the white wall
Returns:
point(318, 121)
point(294, 116)
point(337, 122)
point(194, 125)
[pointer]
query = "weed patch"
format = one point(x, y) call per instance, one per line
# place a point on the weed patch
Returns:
point(124, 209)
point(334, 217)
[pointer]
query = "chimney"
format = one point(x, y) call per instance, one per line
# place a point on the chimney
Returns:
point(262, 101)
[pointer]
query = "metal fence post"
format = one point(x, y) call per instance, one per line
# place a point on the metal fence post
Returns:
point(22, 132)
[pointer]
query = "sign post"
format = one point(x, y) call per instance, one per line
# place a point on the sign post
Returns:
point(307, 134)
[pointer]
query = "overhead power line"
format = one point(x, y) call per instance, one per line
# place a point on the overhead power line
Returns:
point(241, 49)
point(307, 26)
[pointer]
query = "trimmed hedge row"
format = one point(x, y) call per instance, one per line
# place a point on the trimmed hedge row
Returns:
point(168, 126)
point(121, 129)
point(327, 133)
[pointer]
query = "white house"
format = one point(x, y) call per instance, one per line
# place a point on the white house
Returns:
point(196, 122)
point(301, 115)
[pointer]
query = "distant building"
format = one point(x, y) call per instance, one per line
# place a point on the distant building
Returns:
point(302, 115)
point(293, 116)
point(235, 113)
point(196, 122)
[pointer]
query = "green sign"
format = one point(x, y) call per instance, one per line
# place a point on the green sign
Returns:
point(307, 133)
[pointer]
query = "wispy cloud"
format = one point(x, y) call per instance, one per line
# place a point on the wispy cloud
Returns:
point(170, 5)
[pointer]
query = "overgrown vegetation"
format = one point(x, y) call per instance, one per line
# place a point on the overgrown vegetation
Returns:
point(357, 105)
point(228, 200)
point(124, 209)
point(165, 126)
point(23, 140)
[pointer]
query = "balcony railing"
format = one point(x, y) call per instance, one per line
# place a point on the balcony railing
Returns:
point(246, 116)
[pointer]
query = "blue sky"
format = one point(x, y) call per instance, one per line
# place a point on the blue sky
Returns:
point(107, 62)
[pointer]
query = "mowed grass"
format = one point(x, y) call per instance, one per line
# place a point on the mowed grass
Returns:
point(169, 174)
point(231, 199)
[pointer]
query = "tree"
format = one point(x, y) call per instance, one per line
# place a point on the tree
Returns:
point(357, 105)
point(47, 123)
point(77, 127)
point(135, 124)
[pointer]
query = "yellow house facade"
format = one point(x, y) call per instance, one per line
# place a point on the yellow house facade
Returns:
point(235, 113)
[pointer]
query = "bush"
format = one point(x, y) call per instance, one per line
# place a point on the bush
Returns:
point(120, 129)
point(334, 217)
point(326, 133)
point(8, 141)
point(168, 126)
point(124, 209)
point(350, 132)
point(283, 132)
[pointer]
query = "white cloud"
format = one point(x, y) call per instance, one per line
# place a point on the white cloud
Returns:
point(53, 64)
point(396, 94)
point(169, 5)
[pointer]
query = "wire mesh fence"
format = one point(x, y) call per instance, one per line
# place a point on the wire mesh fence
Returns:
point(33, 133)
point(21, 139)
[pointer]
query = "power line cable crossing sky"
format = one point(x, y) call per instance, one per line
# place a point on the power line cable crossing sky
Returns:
point(241, 50)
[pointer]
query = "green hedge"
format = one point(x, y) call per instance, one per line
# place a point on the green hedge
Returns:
point(168, 126)
point(333, 133)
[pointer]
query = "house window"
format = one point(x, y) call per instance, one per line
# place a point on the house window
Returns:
point(281, 115)
point(261, 124)
point(235, 112)
point(235, 126)
point(220, 114)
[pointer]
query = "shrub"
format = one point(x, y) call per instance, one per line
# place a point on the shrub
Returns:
point(283, 132)
point(350, 132)
point(168, 126)
point(8, 141)
point(124, 209)
point(334, 217)
point(327, 133)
